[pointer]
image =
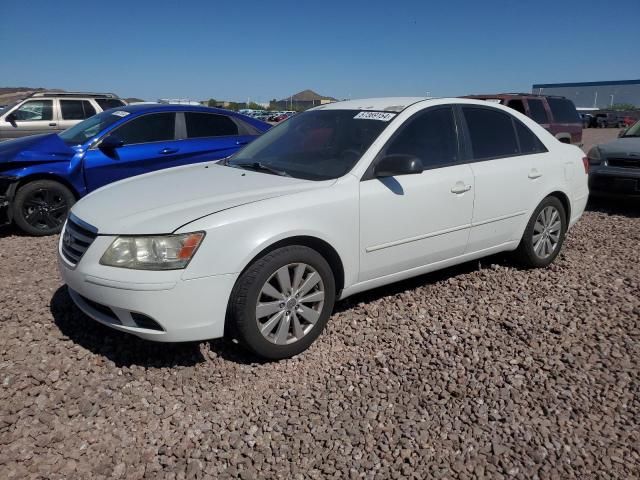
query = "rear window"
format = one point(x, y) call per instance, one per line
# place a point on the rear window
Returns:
point(563, 110)
point(107, 103)
point(209, 125)
point(76, 109)
point(491, 131)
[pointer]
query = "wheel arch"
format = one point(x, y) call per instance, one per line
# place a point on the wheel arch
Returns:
point(564, 137)
point(566, 203)
point(47, 176)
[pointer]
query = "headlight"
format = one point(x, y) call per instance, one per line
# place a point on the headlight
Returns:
point(157, 252)
point(594, 156)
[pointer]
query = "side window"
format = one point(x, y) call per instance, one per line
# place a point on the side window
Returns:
point(76, 109)
point(529, 142)
point(155, 127)
point(431, 136)
point(107, 103)
point(209, 125)
point(491, 133)
point(563, 110)
point(34, 110)
point(517, 105)
point(538, 113)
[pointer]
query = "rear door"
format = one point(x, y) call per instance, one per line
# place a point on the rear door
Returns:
point(73, 111)
point(32, 117)
point(149, 144)
point(211, 136)
point(510, 175)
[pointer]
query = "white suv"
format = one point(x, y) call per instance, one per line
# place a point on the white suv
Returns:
point(52, 112)
point(342, 198)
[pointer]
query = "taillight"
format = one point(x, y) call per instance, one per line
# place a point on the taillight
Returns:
point(585, 162)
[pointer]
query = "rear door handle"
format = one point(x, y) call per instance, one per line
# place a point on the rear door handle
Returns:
point(242, 142)
point(167, 151)
point(534, 173)
point(53, 124)
point(460, 187)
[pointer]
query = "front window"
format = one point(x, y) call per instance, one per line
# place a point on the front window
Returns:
point(315, 145)
point(34, 110)
point(91, 127)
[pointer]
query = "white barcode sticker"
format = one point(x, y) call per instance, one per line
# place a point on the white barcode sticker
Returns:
point(382, 116)
point(120, 113)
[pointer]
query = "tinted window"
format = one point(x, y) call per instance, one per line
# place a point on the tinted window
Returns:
point(431, 137)
point(538, 113)
point(89, 128)
point(563, 110)
point(529, 142)
point(209, 125)
point(492, 134)
point(34, 110)
point(517, 105)
point(107, 103)
point(155, 127)
point(76, 109)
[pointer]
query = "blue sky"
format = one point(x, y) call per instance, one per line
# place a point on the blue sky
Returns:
point(260, 50)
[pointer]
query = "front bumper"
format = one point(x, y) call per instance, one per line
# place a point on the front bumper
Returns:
point(158, 306)
point(7, 192)
point(615, 181)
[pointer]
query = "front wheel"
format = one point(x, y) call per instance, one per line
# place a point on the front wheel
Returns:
point(544, 235)
point(282, 302)
point(41, 207)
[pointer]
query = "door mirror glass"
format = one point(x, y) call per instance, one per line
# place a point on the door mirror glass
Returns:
point(11, 118)
point(398, 164)
point(111, 143)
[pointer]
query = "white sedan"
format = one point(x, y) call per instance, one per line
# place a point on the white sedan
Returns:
point(340, 199)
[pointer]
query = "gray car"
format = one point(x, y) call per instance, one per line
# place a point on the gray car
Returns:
point(615, 166)
point(52, 112)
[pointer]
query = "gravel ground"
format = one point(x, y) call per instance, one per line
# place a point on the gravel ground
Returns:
point(594, 136)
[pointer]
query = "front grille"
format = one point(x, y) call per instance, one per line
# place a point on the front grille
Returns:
point(76, 239)
point(624, 162)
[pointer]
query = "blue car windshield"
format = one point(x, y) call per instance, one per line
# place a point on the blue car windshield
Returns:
point(83, 131)
point(315, 145)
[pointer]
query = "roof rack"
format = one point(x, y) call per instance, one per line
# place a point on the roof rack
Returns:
point(46, 93)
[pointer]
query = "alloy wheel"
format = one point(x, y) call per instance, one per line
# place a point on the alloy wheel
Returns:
point(546, 232)
point(45, 209)
point(290, 303)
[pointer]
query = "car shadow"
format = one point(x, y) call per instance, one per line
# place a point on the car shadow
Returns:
point(10, 230)
point(626, 206)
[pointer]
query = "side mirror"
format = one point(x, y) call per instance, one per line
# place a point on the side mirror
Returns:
point(622, 132)
point(110, 144)
point(11, 118)
point(398, 164)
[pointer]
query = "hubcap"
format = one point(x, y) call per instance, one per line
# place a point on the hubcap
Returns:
point(45, 209)
point(289, 303)
point(546, 232)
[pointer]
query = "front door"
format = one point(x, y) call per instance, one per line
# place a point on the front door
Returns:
point(33, 117)
point(410, 221)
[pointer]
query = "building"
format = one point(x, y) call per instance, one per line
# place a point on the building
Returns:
point(594, 94)
point(301, 101)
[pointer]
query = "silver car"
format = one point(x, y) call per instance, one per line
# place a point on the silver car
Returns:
point(52, 112)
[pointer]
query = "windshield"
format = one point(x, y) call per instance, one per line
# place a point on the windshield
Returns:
point(634, 130)
point(91, 127)
point(315, 145)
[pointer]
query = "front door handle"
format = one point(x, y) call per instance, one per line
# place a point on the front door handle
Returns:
point(460, 188)
point(53, 124)
point(167, 151)
point(534, 173)
point(242, 142)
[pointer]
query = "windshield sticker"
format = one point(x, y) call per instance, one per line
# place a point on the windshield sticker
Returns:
point(382, 116)
point(120, 113)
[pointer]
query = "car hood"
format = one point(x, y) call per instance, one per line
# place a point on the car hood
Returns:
point(163, 201)
point(35, 149)
point(621, 146)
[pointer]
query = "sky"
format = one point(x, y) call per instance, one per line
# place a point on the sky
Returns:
point(259, 50)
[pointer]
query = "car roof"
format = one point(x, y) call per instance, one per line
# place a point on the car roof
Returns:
point(389, 104)
point(171, 107)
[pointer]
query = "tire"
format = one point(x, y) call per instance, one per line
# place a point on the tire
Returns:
point(41, 207)
point(290, 324)
point(532, 254)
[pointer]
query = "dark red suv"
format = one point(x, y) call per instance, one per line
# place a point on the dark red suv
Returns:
point(556, 114)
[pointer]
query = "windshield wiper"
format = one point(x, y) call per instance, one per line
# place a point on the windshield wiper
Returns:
point(259, 167)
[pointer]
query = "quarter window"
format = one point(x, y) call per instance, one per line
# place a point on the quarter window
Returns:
point(76, 109)
point(491, 133)
point(537, 110)
point(34, 110)
point(529, 142)
point(155, 127)
point(431, 137)
point(209, 125)
point(563, 110)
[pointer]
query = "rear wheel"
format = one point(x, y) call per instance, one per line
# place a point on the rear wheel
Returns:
point(41, 207)
point(544, 235)
point(283, 301)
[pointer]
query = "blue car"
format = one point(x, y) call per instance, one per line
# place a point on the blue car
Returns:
point(42, 176)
